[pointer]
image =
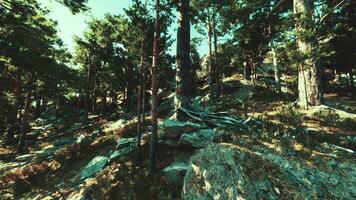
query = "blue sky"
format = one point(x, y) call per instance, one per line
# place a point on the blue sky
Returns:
point(70, 25)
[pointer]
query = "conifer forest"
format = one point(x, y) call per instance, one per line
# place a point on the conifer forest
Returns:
point(177, 99)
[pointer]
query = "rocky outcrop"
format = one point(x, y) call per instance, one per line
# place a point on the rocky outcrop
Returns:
point(198, 139)
point(123, 147)
point(174, 173)
point(174, 129)
point(215, 173)
point(267, 171)
point(93, 167)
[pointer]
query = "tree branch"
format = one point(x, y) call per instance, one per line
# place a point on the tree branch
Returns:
point(327, 14)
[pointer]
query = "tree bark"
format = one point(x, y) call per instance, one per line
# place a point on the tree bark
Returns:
point(94, 94)
point(24, 124)
point(253, 70)
point(129, 94)
point(14, 119)
point(124, 97)
point(154, 138)
point(38, 105)
point(183, 59)
point(58, 105)
point(88, 86)
point(44, 104)
point(144, 101)
point(139, 99)
point(129, 90)
point(277, 75)
point(78, 107)
point(247, 69)
point(351, 78)
point(103, 104)
point(3, 106)
point(114, 100)
point(308, 73)
point(210, 66)
point(218, 81)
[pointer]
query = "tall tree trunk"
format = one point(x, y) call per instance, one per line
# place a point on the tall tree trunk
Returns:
point(44, 104)
point(183, 59)
point(129, 90)
point(286, 83)
point(24, 124)
point(217, 73)
point(124, 97)
point(154, 138)
point(88, 86)
point(3, 126)
point(114, 100)
point(129, 94)
point(210, 66)
point(247, 69)
point(78, 106)
point(13, 118)
point(253, 70)
point(38, 105)
point(3, 106)
point(103, 104)
point(139, 99)
point(351, 78)
point(308, 73)
point(94, 94)
point(58, 105)
point(144, 101)
point(277, 75)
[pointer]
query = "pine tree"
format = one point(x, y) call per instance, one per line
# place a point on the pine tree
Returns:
point(154, 114)
point(309, 72)
point(183, 76)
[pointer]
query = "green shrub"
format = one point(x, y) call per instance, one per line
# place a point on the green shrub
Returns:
point(290, 116)
point(328, 117)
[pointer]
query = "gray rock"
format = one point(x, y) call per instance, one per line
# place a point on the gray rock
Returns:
point(52, 118)
point(123, 147)
point(63, 141)
point(174, 173)
point(84, 140)
point(215, 173)
point(93, 167)
point(10, 165)
point(197, 139)
point(48, 127)
point(174, 129)
point(44, 154)
point(26, 157)
point(169, 142)
point(197, 103)
point(254, 171)
point(41, 121)
point(166, 105)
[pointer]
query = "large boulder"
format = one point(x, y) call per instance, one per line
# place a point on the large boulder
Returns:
point(198, 139)
point(215, 173)
point(174, 173)
point(63, 141)
point(24, 158)
point(123, 147)
point(174, 129)
point(166, 104)
point(5, 166)
point(268, 170)
point(93, 167)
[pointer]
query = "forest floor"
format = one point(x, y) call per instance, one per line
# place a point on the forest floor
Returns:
point(286, 144)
